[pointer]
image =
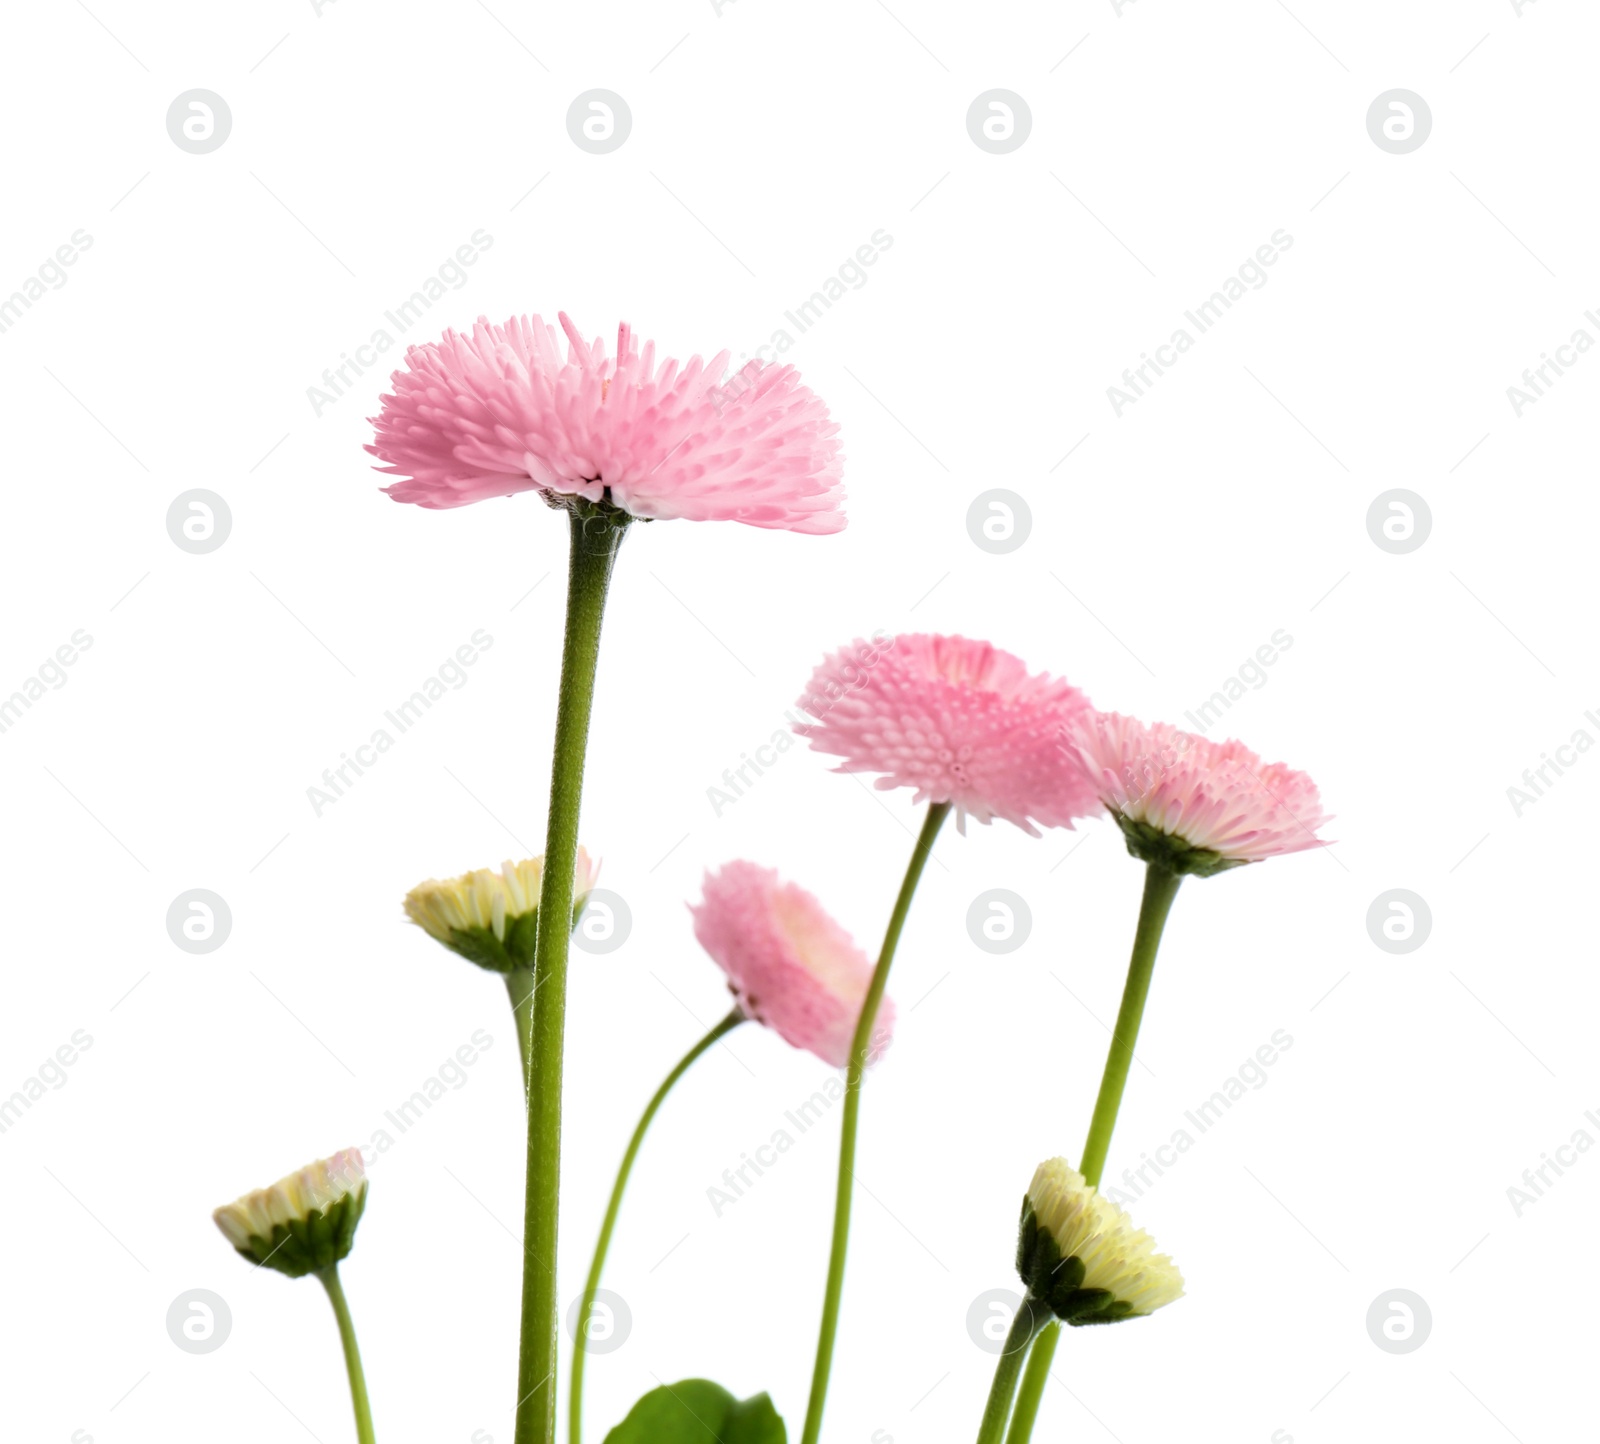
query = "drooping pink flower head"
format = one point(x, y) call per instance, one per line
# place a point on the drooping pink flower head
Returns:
point(504, 410)
point(789, 964)
point(960, 721)
point(1188, 803)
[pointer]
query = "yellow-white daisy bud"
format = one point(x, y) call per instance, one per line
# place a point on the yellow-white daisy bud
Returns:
point(491, 918)
point(304, 1223)
point(1080, 1253)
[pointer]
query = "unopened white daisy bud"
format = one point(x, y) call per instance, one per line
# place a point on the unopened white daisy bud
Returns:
point(305, 1223)
point(491, 918)
point(1080, 1254)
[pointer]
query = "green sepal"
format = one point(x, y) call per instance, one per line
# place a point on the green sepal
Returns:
point(696, 1411)
point(1097, 1306)
point(1048, 1275)
point(479, 945)
point(605, 512)
point(1058, 1282)
point(308, 1245)
point(1163, 849)
point(1027, 1237)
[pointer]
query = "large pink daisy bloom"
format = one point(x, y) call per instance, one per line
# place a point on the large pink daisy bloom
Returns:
point(789, 964)
point(960, 721)
point(1189, 803)
point(504, 410)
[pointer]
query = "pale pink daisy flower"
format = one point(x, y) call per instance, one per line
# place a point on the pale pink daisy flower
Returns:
point(1188, 803)
point(789, 964)
point(957, 720)
point(509, 409)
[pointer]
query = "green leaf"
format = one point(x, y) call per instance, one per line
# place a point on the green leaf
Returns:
point(696, 1411)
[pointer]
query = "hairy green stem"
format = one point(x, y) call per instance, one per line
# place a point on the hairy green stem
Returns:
point(1033, 1382)
point(520, 986)
point(1031, 1318)
point(608, 1225)
point(860, 1050)
point(1160, 887)
point(597, 532)
point(352, 1353)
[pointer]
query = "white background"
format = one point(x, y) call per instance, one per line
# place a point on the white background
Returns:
point(768, 143)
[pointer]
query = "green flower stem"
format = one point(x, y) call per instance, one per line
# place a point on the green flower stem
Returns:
point(1031, 1318)
point(352, 1353)
point(592, 1286)
point(1033, 1382)
point(1160, 887)
point(520, 985)
point(597, 532)
point(860, 1047)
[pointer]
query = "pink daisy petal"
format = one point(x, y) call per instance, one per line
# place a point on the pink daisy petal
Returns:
point(1176, 793)
point(508, 409)
point(789, 964)
point(957, 720)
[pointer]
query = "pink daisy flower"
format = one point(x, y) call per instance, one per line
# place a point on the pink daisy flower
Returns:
point(504, 410)
point(1191, 804)
point(957, 720)
point(789, 964)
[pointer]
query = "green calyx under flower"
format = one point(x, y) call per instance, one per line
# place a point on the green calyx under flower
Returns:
point(304, 1223)
point(492, 918)
point(1080, 1254)
point(1058, 1282)
point(594, 514)
point(1168, 850)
